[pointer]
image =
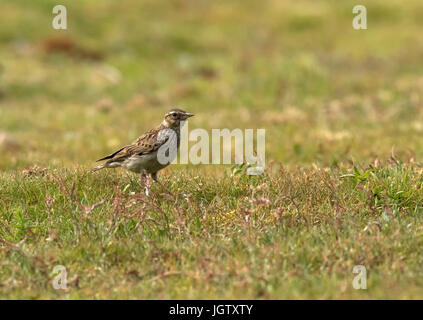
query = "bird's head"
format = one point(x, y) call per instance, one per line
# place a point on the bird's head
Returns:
point(174, 117)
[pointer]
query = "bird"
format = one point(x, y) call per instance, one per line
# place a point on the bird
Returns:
point(147, 154)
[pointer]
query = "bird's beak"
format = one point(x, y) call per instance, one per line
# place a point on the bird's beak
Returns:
point(188, 115)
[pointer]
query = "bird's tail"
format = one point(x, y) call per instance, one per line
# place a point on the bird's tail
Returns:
point(98, 168)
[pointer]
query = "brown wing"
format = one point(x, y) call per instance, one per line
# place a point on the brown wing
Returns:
point(143, 145)
point(111, 155)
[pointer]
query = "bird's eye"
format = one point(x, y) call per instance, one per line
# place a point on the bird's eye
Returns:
point(174, 115)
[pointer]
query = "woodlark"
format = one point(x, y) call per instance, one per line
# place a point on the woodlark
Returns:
point(143, 155)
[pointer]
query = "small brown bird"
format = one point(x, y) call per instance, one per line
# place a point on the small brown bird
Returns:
point(143, 155)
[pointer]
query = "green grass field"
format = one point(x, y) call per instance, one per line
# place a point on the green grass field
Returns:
point(343, 115)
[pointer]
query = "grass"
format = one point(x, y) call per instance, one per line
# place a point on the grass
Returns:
point(342, 111)
point(288, 234)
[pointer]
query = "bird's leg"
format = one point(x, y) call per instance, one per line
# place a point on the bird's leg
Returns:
point(142, 178)
point(147, 185)
point(154, 176)
point(145, 181)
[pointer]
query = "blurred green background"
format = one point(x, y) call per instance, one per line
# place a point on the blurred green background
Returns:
point(325, 93)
